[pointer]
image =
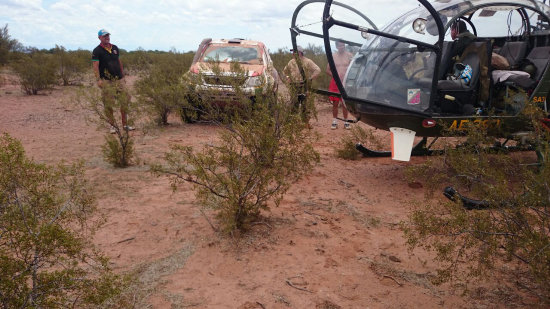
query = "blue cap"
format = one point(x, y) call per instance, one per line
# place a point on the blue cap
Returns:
point(102, 32)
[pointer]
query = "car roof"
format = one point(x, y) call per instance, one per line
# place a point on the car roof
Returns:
point(237, 41)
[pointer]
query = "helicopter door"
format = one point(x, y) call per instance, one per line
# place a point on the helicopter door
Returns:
point(395, 66)
point(307, 32)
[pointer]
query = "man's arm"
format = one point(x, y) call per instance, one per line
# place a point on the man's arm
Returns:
point(315, 69)
point(287, 72)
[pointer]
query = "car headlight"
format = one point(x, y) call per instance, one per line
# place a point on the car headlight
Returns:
point(254, 81)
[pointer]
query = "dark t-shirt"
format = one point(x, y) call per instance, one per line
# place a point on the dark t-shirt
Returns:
point(109, 66)
point(459, 45)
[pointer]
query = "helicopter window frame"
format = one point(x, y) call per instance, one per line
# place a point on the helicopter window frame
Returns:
point(470, 11)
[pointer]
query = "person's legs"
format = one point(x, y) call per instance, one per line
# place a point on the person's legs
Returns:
point(335, 102)
point(344, 111)
point(107, 98)
point(123, 97)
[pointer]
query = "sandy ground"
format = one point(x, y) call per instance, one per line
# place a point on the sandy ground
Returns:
point(334, 242)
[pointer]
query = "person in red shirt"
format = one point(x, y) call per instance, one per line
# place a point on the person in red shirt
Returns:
point(342, 59)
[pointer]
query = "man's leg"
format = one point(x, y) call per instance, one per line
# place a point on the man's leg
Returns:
point(335, 102)
point(108, 101)
point(345, 113)
point(123, 97)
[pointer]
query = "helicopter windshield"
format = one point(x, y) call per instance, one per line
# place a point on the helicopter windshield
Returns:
point(393, 72)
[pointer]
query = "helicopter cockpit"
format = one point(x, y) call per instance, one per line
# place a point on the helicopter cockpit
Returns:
point(406, 67)
point(391, 71)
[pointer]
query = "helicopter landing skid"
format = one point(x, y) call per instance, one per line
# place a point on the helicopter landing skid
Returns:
point(419, 149)
point(468, 203)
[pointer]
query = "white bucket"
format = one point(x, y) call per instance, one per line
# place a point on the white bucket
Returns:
point(401, 143)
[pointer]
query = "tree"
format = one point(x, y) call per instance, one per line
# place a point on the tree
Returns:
point(511, 235)
point(161, 90)
point(70, 64)
point(36, 72)
point(47, 218)
point(254, 163)
point(7, 45)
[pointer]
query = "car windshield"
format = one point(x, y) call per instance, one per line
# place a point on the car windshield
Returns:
point(241, 54)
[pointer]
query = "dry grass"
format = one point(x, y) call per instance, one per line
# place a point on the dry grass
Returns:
point(385, 269)
point(338, 206)
point(147, 279)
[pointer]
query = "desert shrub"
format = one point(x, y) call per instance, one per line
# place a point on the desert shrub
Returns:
point(347, 150)
point(142, 61)
point(137, 61)
point(70, 64)
point(36, 72)
point(119, 150)
point(207, 103)
point(105, 104)
point(161, 90)
point(509, 238)
point(47, 218)
point(253, 164)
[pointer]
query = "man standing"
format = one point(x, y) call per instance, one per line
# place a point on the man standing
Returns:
point(299, 84)
point(342, 59)
point(110, 78)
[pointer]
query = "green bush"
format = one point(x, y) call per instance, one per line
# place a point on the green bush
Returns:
point(106, 105)
point(357, 134)
point(137, 61)
point(510, 238)
point(254, 163)
point(161, 90)
point(119, 151)
point(71, 64)
point(47, 218)
point(36, 72)
point(203, 102)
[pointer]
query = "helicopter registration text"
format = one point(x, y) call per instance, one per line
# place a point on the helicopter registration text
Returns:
point(480, 123)
point(539, 99)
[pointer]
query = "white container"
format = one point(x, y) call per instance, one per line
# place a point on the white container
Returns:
point(401, 143)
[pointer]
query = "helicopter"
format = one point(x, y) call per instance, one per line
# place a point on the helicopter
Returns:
point(401, 79)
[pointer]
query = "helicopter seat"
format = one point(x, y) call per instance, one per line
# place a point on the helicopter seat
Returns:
point(530, 71)
point(445, 59)
point(456, 94)
point(539, 58)
point(514, 52)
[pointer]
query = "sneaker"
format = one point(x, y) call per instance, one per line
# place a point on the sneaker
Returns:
point(334, 126)
point(129, 128)
point(112, 130)
point(347, 126)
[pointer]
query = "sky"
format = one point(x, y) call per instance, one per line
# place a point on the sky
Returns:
point(163, 24)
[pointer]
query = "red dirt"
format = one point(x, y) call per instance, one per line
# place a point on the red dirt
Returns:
point(334, 242)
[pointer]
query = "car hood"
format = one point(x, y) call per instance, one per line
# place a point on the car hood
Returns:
point(206, 68)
